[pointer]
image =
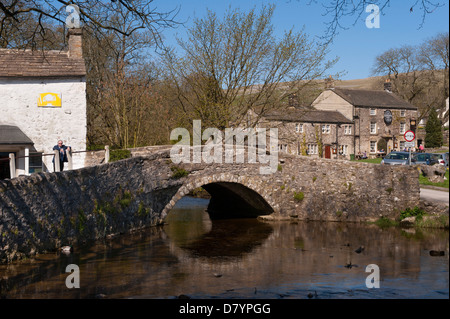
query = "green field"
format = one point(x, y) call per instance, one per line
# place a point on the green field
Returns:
point(371, 160)
point(424, 181)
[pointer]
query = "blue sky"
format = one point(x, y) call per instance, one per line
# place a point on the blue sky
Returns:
point(356, 46)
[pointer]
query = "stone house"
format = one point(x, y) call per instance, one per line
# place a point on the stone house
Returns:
point(43, 99)
point(311, 132)
point(380, 118)
point(341, 123)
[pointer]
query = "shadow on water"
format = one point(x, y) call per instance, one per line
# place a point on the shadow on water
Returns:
point(230, 238)
point(241, 258)
point(192, 230)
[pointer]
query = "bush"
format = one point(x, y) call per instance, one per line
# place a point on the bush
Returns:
point(299, 196)
point(415, 212)
point(116, 155)
point(384, 222)
point(178, 172)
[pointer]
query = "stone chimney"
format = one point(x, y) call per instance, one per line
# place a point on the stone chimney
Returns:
point(293, 100)
point(75, 43)
point(329, 83)
point(388, 86)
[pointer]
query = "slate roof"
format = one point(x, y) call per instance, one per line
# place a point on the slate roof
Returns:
point(28, 63)
point(373, 98)
point(10, 134)
point(308, 116)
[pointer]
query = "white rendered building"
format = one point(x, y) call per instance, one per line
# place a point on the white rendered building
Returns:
point(43, 99)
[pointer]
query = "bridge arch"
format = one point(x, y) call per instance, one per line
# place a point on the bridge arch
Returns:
point(232, 196)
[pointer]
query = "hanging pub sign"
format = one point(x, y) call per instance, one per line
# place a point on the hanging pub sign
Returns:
point(387, 117)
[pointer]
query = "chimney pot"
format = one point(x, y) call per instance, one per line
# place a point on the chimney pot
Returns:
point(329, 83)
point(388, 85)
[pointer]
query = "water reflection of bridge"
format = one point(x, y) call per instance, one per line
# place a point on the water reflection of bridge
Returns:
point(285, 259)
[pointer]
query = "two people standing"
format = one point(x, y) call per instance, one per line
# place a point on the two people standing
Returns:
point(63, 149)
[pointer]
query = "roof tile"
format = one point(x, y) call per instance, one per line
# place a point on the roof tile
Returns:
point(28, 63)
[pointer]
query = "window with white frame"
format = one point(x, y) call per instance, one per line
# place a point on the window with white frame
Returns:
point(343, 149)
point(402, 113)
point(299, 128)
point(373, 128)
point(347, 129)
point(312, 149)
point(373, 112)
point(373, 146)
point(326, 128)
point(402, 128)
point(402, 145)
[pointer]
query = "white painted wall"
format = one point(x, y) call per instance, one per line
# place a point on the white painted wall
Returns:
point(44, 126)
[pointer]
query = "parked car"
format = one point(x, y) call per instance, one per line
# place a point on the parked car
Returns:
point(397, 158)
point(424, 158)
point(441, 158)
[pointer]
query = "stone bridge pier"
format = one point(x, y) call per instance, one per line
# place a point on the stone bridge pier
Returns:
point(42, 212)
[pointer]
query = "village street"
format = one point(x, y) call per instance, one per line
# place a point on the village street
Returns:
point(434, 195)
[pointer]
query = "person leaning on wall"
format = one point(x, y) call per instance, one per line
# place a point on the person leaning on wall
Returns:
point(63, 149)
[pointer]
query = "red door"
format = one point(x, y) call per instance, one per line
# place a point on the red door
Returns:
point(327, 151)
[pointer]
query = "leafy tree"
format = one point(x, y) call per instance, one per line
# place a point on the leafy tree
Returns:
point(433, 129)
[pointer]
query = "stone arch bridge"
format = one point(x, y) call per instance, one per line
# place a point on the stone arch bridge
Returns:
point(44, 211)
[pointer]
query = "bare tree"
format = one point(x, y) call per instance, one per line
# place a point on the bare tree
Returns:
point(419, 73)
point(96, 14)
point(123, 104)
point(235, 64)
point(339, 11)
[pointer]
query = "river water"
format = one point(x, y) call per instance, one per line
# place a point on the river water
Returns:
point(242, 258)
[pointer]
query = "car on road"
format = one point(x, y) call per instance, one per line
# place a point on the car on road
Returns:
point(397, 158)
point(441, 158)
point(424, 158)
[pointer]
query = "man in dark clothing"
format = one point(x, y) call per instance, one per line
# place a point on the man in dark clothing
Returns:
point(62, 154)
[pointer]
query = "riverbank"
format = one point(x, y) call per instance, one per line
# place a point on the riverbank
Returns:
point(426, 214)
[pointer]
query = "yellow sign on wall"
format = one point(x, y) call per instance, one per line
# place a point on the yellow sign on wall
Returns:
point(49, 100)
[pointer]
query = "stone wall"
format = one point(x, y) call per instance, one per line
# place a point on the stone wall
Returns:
point(44, 211)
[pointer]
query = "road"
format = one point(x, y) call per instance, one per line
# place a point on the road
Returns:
point(433, 195)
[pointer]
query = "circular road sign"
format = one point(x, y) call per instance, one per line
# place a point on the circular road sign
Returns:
point(409, 136)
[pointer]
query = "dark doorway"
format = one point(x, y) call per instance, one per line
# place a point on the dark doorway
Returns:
point(4, 165)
